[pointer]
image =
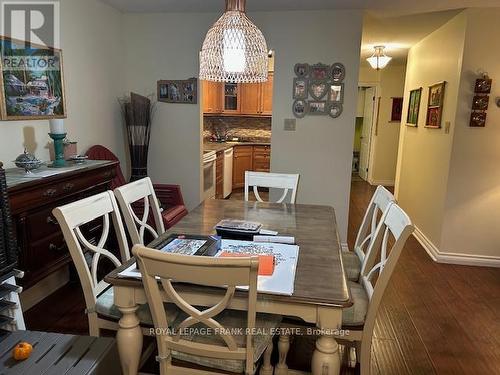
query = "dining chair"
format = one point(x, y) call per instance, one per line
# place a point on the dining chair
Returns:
point(235, 340)
point(87, 254)
point(140, 194)
point(353, 260)
point(395, 227)
point(287, 182)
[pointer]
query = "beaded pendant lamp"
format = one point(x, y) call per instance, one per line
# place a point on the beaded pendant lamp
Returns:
point(234, 49)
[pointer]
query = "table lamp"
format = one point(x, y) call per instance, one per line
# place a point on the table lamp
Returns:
point(58, 134)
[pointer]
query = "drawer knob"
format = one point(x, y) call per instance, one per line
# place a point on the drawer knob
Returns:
point(51, 220)
point(53, 247)
point(50, 193)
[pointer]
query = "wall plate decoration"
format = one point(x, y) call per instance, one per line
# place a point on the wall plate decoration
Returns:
point(299, 108)
point(301, 70)
point(335, 110)
point(414, 107)
point(318, 107)
point(300, 88)
point(336, 93)
point(478, 119)
point(318, 89)
point(480, 102)
point(483, 85)
point(178, 91)
point(435, 103)
point(337, 72)
point(320, 71)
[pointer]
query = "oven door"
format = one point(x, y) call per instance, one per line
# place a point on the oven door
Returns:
point(209, 177)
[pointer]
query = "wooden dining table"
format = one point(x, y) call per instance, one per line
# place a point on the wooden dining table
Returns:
point(320, 289)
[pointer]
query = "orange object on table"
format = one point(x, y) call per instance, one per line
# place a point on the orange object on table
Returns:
point(266, 262)
point(22, 351)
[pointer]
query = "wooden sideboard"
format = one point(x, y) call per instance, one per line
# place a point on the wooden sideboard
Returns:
point(42, 249)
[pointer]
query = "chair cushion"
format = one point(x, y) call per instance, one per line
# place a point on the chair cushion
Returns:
point(105, 306)
point(265, 326)
point(172, 215)
point(352, 265)
point(356, 314)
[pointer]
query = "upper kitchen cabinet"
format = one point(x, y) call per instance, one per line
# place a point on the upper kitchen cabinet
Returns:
point(266, 102)
point(212, 97)
point(250, 98)
point(231, 98)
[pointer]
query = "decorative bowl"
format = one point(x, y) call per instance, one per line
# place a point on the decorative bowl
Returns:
point(28, 162)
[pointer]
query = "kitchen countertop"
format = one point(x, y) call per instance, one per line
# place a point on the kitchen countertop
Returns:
point(215, 146)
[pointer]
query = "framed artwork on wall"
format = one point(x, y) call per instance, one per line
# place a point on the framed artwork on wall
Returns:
point(318, 89)
point(299, 108)
point(300, 88)
point(317, 107)
point(397, 109)
point(435, 106)
point(414, 107)
point(178, 91)
point(31, 81)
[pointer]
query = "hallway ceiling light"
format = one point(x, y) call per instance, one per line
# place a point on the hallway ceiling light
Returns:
point(234, 49)
point(379, 59)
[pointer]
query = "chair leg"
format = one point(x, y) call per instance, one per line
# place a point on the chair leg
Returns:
point(283, 348)
point(267, 368)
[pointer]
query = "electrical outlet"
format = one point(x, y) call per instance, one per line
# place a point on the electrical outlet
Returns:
point(290, 124)
point(447, 126)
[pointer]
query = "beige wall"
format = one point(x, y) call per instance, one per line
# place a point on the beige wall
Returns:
point(92, 50)
point(424, 154)
point(165, 46)
point(390, 81)
point(472, 217)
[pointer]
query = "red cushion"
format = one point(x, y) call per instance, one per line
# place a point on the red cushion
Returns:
point(172, 215)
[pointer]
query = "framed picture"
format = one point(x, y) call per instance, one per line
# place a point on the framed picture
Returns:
point(338, 72)
point(32, 81)
point(178, 91)
point(317, 108)
point(414, 107)
point(301, 70)
point(478, 119)
point(397, 109)
point(319, 71)
point(300, 88)
point(318, 89)
point(483, 85)
point(299, 108)
point(335, 110)
point(336, 94)
point(435, 105)
point(480, 102)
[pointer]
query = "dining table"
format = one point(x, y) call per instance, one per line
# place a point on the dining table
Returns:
point(320, 289)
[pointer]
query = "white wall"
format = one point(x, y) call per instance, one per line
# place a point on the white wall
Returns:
point(165, 46)
point(391, 82)
point(92, 51)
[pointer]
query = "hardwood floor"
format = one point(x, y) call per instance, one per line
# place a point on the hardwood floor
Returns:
point(434, 318)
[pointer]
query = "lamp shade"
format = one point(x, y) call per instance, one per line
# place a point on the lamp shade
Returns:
point(234, 49)
point(379, 59)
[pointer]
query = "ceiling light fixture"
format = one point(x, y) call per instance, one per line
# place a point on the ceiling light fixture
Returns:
point(379, 59)
point(234, 49)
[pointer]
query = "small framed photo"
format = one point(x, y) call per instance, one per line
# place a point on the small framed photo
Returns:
point(178, 91)
point(318, 89)
point(299, 108)
point(435, 105)
point(320, 71)
point(335, 110)
point(300, 88)
point(478, 119)
point(336, 94)
point(480, 102)
point(414, 107)
point(483, 85)
point(301, 70)
point(338, 72)
point(317, 108)
point(397, 109)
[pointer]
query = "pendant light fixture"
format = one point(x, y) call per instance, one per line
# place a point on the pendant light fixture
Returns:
point(234, 49)
point(379, 59)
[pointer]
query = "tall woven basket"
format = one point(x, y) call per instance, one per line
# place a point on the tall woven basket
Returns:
point(8, 246)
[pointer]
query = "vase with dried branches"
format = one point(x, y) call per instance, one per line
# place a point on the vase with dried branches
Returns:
point(137, 112)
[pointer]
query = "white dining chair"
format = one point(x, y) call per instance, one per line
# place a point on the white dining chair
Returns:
point(353, 260)
point(139, 198)
point(87, 254)
point(376, 272)
point(287, 182)
point(188, 349)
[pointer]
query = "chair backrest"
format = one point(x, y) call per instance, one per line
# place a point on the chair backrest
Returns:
point(207, 271)
point(129, 196)
point(287, 182)
point(71, 218)
point(379, 203)
point(99, 152)
point(380, 263)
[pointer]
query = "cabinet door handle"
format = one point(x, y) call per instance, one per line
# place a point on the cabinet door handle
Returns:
point(51, 220)
point(53, 247)
point(68, 187)
point(50, 192)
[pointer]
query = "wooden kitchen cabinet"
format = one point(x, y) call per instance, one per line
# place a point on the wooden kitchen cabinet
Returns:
point(219, 176)
point(212, 97)
point(242, 161)
point(266, 102)
point(261, 158)
point(250, 98)
point(231, 98)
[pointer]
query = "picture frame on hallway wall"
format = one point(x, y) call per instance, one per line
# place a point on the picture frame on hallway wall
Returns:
point(396, 109)
point(435, 105)
point(414, 107)
point(31, 81)
point(178, 91)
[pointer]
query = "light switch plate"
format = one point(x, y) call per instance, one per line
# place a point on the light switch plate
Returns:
point(290, 124)
point(447, 126)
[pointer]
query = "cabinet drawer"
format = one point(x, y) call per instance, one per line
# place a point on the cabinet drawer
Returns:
point(262, 149)
point(42, 223)
point(243, 150)
point(47, 252)
point(261, 165)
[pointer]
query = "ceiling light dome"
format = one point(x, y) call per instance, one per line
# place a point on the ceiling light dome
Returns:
point(379, 59)
point(234, 49)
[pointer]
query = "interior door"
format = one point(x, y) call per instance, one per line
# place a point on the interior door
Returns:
point(366, 129)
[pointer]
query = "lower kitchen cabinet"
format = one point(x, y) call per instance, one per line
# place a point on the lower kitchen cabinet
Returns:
point(249, 158)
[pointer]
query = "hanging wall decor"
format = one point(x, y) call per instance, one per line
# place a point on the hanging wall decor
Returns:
point(397, 109)
point(435, 105)
point(179, 91)
point(414, 107)
point(480, 102)
point(318, 89)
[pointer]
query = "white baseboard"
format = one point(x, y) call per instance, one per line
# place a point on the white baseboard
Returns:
point(454, 258)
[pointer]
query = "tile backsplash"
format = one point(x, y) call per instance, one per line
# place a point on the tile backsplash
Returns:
point(255, 129)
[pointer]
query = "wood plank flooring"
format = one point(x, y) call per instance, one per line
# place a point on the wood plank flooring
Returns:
point(434, 318)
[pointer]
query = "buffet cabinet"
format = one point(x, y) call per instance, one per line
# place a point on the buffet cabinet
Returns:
point(42, 249)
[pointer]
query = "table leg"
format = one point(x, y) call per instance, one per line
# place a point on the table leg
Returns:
point(283, 347)
point(267, 368)
point(326, 357)
point(129, 335)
